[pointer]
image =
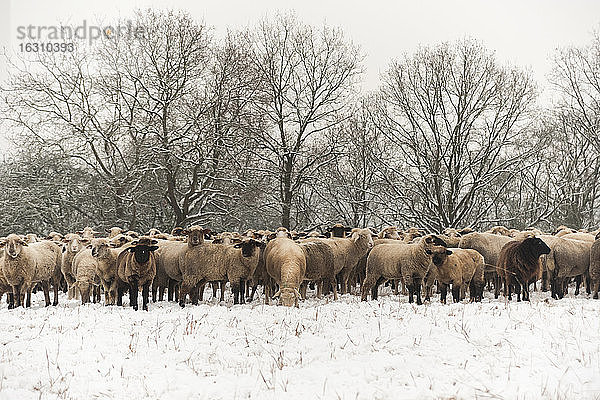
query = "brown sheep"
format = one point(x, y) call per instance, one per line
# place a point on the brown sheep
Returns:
point(390, 232)
point(137, 267)
point(25, 264)
point(286, 264)
point(114, 231)
point(84, 269)
point(595, 266)
point(499, 230)
point(106, 270)
point(459, 268)
point(87, 233)
point(207, 262)
point(519, 265)
point(568, 259)
point(319, 267)
point(55, 237)
point(409, 262)
point(489, 246)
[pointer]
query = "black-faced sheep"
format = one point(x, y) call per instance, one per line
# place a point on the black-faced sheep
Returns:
point(137, 267)
point(409, 262)
point(286, 264)
point(25, 264)
point(338, 230)
point(519, 265)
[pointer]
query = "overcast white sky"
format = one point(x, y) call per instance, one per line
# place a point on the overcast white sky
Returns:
point(522, 32)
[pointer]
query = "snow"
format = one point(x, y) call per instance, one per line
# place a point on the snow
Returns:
point(347, 349)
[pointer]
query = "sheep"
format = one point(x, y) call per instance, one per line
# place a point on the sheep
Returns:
point(586, 237)
point(87, 233)
point(120, 240)
point(136, 266)
point(348, 252)
point(563, 230)
point(595, 266)
point(568, 258)
point(177, 231)
point(319, 267)
point(412, 233)
point(460, 268)
point(519, 265)
point(390, 232)
point(286, 264)
point(451, 236)
point(409, 262)
point(4, 286)
point(168, 270)
point(489, 246)
point(218, 262)
point(132, 234)
point(55, 237)
point(31, 238)
point(25, 264)
point(73, 243)
point(156, 234)
point(338, 230)
point(499, 230)
point(84, 269)
point(106, 270)
point(114, 231)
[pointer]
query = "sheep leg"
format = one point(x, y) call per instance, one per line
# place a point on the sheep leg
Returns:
point(161, 293)
point(497, 284)
point(577, 284)
point(84, 289)
point(544, 281)
point(367, 285)
point(171, 291)
point(55, 289)
point(17, 294)
point(595, 284)
point(335, 293)
point(518, 291)
point(28, 301)
point(303, 287)
point(120, 296)
point(154, 290)
point(444, 292)
point(586, 280)
point(197, 293)
point(242, 291)
point(133, 293)
point(254, 287)
point(455, 293)
point(222, 285)
point(235, 289)
point(145, 296)
point(214, 286)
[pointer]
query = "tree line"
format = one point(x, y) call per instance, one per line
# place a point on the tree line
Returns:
point(267, 127)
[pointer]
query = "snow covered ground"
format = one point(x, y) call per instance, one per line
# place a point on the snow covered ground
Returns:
point(386, 349)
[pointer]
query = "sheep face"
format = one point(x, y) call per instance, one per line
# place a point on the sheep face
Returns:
point(119, 241)
point(289, 297)
point(142, 249)
point(439, 255)
point(391, 232)
point(363, 236)
point(195, 235)
point(282, 232)
point(536, 246)
point(100, 248)
point(339, 230)
point(14, 245)
point(248, 246)
point(433, 244)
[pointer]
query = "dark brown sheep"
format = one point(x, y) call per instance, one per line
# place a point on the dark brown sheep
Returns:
point(519, 265)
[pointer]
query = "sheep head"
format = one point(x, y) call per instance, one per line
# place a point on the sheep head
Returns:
point(433, 244)
point(142, 248)
point(362, 237)
point(14, 245)
point(248, 246)
point(100, 247)
point(195, 235)
point(288, 296)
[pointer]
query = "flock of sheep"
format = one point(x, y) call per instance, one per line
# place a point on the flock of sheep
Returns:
point(285, 263)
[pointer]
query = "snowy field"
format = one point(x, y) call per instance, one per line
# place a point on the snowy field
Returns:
point(386, 349)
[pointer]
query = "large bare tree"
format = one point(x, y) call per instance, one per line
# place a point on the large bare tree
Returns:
point(306, 76)
point(454, 115)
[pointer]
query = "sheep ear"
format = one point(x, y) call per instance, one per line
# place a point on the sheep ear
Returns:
point(135, 242)
point(206, 231)
point(153, 248)
point(429, 252)
point(237, 245)
point(131, 249)
point(106, 230)
point(154, 241)
point(89, 246)
point(278, 293)
point(448, 252)
point(347, 229)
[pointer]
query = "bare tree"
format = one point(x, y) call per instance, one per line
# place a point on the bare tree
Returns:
point(306, 76)
point(454, 116)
